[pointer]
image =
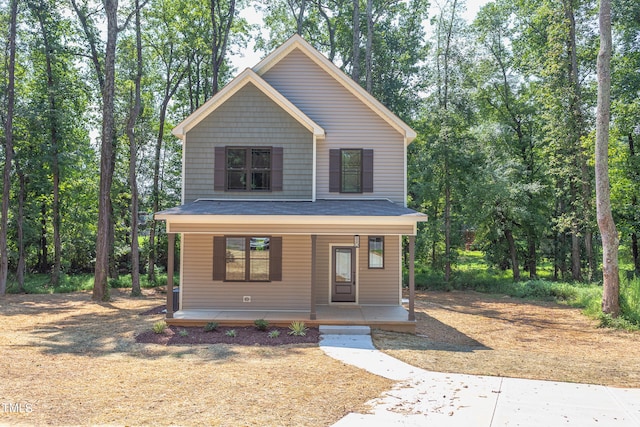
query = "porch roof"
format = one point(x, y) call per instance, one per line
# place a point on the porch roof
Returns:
point(331, 208)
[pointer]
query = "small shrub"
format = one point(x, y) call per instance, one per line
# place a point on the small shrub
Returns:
point(261, 324)
point(211, 326)
point(298, 329)
point(183, 333)
point(274, 334)
point(231, 333)
point(159, 327)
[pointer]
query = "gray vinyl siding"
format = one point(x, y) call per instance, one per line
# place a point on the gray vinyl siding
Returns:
point(348, 123)
point(200, 291)
point(248, 118)
point(375, 287)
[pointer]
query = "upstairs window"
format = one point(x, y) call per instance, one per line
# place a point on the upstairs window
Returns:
point(248, 169)
point(351, 170)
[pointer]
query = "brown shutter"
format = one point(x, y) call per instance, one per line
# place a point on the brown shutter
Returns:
point(334, 171)
point(275, 259)
point(276, 169)
point(219, 258)
point(219, 169)
point(367, 171)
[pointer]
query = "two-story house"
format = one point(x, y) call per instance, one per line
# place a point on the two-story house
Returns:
point(294, 200)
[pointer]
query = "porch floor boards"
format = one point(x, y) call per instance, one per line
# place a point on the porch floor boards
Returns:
point(394, 318)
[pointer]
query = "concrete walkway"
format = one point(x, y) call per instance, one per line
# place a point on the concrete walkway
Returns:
point(424, 398)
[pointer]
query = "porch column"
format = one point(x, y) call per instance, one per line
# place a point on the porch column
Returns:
point(171, 237)
point(412, 279)
point(312, 316)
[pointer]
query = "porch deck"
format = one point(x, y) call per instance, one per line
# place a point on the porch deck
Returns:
point(390, 318)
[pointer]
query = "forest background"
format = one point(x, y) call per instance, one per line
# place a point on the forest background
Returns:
point(504, 107)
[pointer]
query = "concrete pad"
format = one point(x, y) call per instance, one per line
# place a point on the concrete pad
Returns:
point(629, 399)
point(424, 398)
point(536, 403)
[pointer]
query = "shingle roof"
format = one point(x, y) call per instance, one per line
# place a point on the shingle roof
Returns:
point(365, 208)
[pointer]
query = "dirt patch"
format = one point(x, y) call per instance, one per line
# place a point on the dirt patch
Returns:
point(175, 335)
point(473, 333)
point(69, 361)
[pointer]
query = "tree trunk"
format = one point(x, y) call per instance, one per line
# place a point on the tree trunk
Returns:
point(355, 70)
point(53, 134)
point(331, 29)
point(8, 148)
point(513, 252)
point(611, 278)
point(100, 283)
point(447, 230)
point(221, 27)
point(300, 17)
point(22, 194)
point(368, 55)
point(576, 273)
point(531, 262)
point(634, 253)
point(43, 262)
point(133, 150)
point(634, 206)
point(577, 132)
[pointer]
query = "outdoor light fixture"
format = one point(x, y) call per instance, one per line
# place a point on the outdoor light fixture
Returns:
point(356, 241)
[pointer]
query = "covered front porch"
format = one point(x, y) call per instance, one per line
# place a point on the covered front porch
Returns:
point(390, 318)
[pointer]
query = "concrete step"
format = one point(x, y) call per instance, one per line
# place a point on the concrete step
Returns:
point(344, 330)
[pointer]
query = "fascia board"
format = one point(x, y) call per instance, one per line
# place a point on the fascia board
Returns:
point(293, 219)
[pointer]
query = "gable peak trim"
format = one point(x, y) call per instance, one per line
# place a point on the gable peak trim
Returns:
point(297, 42)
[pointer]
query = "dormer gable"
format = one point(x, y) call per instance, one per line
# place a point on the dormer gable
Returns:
point(244, 78)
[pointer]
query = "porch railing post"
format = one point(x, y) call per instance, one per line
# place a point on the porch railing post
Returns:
point(171, 237)
point(412, 279)
point(312, 315)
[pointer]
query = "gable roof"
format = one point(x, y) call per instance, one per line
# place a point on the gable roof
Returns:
point(244, 78)
point(297, 42)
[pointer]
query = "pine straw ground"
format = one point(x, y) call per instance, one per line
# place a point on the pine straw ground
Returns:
point(472, 333)
point(68, 361)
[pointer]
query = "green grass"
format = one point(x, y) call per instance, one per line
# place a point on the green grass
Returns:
point(41, 284)
point(471, 272)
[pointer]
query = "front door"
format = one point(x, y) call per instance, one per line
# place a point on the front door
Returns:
point(343, 286)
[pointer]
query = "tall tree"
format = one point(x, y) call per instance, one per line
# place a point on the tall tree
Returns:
point(223, 14)
point(107, 144)
point(355, 70)
point(133, 150)
point(611, 277)
point(8, 146)
point(43, 16)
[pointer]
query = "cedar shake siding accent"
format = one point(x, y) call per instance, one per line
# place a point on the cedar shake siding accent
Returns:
point(200, 291)
point(348, 124)
point(248, 119)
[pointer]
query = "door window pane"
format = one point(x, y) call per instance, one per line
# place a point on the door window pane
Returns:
point(343, 265)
